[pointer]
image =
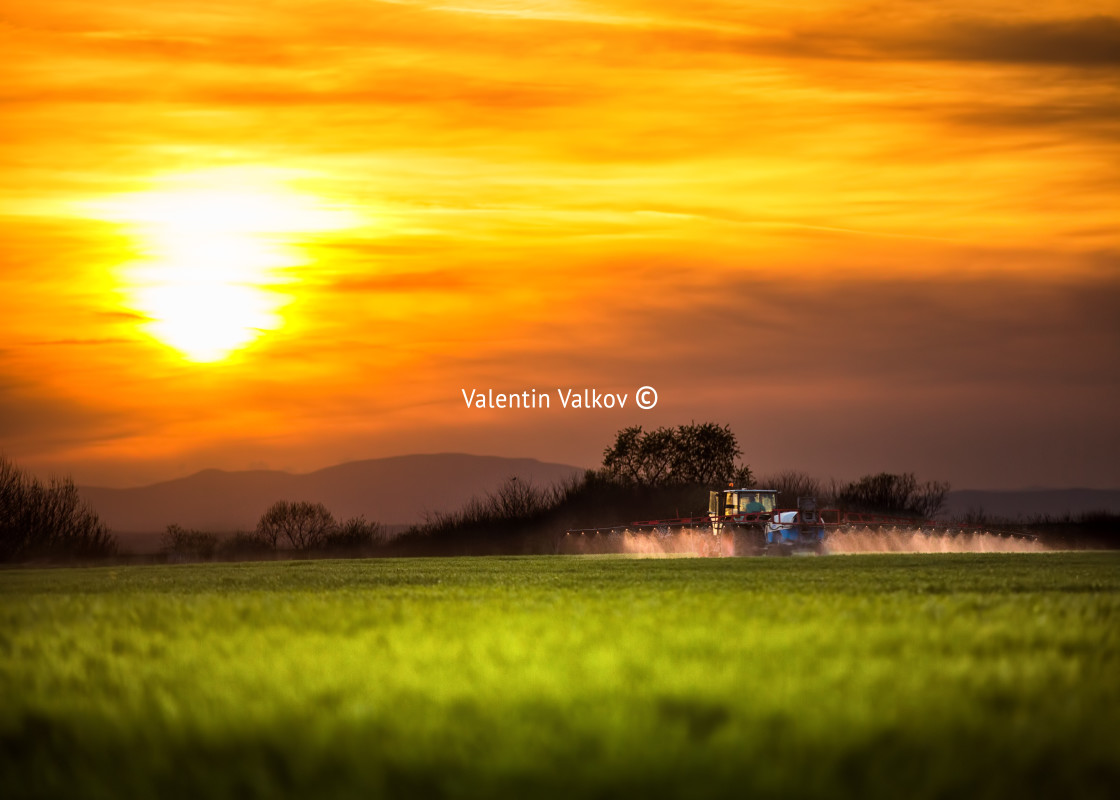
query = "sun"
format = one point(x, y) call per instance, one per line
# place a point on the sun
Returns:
point(219, 259)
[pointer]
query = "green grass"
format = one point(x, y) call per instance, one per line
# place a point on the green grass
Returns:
point(857, 676)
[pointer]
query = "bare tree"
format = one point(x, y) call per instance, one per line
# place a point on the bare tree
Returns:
point(304, 525)
point(50, 520)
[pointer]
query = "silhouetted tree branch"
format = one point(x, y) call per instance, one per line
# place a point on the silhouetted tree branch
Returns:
point(51, 520)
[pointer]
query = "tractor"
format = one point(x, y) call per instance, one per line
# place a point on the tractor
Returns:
point(755, 523)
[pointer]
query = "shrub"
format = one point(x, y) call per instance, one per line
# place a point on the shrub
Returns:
point(47, 521)
point(899, 494)
point(354, 534)
point(514, 502)
point(244, 544)
point(180, 544)
point(791, 485)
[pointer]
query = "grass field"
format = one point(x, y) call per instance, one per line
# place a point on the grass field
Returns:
point(844, 676)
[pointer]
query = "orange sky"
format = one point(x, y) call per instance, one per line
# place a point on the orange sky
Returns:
point(868, 236)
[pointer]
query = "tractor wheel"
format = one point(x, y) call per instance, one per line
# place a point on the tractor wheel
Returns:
point(757, 538)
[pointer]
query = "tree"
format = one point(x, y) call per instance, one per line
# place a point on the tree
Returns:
point(304, 525)
point(704, 454)
point(888, 493)
point(622, 462)
point(689, 454)
point(743, 476)
point(657, 454)
point(47, 520)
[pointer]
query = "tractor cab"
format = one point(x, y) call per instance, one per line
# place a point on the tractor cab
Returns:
point(736, 502)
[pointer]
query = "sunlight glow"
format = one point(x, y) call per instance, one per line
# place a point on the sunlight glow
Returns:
point(220, 260)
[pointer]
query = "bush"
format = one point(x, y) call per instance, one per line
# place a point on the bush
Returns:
point(47, 521)
point(354, 534)
point(519, 517)
point(893, 494)
point(244, 544)
point(181, 544)
point(513, 503)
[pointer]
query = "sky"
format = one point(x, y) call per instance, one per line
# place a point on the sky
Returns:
point(867, 236)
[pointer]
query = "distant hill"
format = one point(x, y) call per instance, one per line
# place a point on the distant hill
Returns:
point(1031, 502)
point(394, 491)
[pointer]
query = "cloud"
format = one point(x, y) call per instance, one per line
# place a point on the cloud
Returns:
point(97, 341)
point(38, 419)
point(857, 35)
point(1073, 42)
point(1069, 114)
point(991, 333)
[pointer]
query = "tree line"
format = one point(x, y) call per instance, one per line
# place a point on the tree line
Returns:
point(50, 521)
point(300, 526)
point(659, 472)
point(705, 455)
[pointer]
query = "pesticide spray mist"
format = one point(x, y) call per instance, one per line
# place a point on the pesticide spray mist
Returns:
point(910, 540)
point(689, 543)
point(700, 543)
